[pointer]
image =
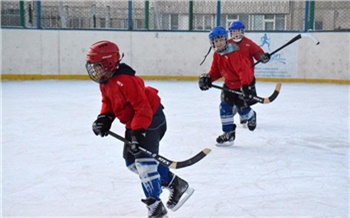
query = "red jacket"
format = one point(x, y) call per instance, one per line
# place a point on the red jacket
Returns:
point(127, 98)
point(234, 67)
point(249, 49)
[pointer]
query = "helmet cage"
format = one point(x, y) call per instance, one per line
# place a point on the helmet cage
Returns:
point(217, 49)
point(98, 73)
point(237, 34)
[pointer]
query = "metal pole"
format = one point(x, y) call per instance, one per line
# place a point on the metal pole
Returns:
point(21, 8)
point(130, 15)
point(218, 13)
point(312, 15)
point(306, 16)
point(147, 15)
point(38, 21)
point(190, 15)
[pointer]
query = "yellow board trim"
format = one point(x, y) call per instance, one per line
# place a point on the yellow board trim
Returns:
point(155, 77)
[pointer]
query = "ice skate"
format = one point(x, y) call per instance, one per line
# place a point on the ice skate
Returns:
point(226, 139)
point(180, 192)
point(156, 208)
point(252, 122)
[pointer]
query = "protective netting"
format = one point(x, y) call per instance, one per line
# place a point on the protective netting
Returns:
point(199, 15)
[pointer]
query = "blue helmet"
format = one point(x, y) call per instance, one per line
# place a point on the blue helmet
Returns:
point(236, 30)
point(236, 25)
point(217, 32)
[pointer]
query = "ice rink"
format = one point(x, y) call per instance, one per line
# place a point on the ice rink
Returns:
point(295, 164)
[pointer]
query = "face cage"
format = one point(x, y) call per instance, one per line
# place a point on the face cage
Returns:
point(97, 73)
point(213, 45)
point(237, 35)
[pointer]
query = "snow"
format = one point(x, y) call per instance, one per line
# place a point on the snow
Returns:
point(295, 164)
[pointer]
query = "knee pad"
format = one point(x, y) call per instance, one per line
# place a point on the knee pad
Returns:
point(246, 113)
point(147, 169)
point(131, 166)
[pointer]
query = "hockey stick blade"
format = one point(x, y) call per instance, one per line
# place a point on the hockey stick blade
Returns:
point(261, 100)
point(164, 161)
point(310, 36)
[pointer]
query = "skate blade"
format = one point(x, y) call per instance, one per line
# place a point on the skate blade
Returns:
point(225, 144)
point(183, 199)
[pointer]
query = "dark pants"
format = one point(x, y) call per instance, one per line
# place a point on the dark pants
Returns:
point(151, 178)
point(238, 100)
point(154, 134)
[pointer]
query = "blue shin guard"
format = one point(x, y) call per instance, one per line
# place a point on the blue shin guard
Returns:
point(226, 115)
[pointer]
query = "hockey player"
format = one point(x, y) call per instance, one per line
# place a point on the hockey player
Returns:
point(238, 75)
point(248, 49)
point(139, 108)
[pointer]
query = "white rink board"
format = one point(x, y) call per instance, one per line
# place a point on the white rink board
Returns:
point(168, 53)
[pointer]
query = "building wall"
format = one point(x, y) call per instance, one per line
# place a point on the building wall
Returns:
point(166, 54)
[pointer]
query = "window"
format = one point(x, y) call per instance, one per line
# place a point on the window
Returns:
point(183, 22)
point(258, 22)
point(51, 22)
point(244, 18)
point(10, 17)
point(318, 25)
point(230, 19)
point(174, 21)
point(280, 22)
point(103, 22)
point(269, 22)
point(76, 22)
point(138, 24)
point(165, 22)
point(170, 21)
point(203, 22)
point(119, 23)
point(198, 22)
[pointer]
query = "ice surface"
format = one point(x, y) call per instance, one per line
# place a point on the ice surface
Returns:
point(295, 164)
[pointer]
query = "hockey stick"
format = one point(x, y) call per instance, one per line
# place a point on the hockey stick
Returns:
point(162, 160)
point(261, 100)
point(296, 38)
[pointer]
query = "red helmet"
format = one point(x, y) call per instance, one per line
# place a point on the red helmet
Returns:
point(101, 60)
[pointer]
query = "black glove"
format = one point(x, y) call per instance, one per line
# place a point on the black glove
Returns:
point(265, 58)
point(248, 92)
point(204, 81)
point(138, 137)
point(102, 124)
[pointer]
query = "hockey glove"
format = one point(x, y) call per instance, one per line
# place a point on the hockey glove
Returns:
point(204, 81)
point(265, 58)
point(248, 92)
point(138, 137)
point(102, 124)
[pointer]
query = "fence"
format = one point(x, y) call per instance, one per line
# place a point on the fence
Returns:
point(180, 15)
